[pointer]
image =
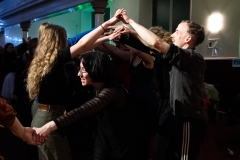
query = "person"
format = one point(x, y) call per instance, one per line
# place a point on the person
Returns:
point(9, 120)
point(46, 81)
point(33, 44)
point(189, 122)
point(140, 72)
point(116, 138)
point(9, 57)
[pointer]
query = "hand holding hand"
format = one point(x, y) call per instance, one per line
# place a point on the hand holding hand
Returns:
point(126, 30)
point(116, 18)
point(124, 17)
point(42, 133)
point(28, 136)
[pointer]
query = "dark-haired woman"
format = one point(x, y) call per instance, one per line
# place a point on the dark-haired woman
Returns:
point(116, 138)
point(47, 81)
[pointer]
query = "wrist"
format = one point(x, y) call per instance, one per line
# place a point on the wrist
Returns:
point(130, 21)
point(105, 25)
point(52, 126)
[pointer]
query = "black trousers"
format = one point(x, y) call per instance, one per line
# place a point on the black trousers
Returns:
point(180, 139)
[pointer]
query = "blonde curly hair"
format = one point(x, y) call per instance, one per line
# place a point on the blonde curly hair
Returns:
point(161, 33)
point(53, 40)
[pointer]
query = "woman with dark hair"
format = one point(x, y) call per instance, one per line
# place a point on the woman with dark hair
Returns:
point(47, 81)
point(116, 126)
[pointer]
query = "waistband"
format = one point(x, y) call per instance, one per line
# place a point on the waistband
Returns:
point(49, 107)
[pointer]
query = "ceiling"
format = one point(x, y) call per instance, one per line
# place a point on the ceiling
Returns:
point(15, 11)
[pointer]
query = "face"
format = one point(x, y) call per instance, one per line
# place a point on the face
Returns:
point(10, 48)
point(83, 74)
point(180, 37)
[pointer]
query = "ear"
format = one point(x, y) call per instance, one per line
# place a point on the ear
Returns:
point(188, 39)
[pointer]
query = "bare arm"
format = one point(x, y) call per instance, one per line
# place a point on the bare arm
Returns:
point(86, 42)
point(124, 55)
point(148, 60)
point(152, 40)
point(25, 133)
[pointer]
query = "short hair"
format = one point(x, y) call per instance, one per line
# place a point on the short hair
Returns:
point(196, 30)
point(161, 33)
point(98, 66)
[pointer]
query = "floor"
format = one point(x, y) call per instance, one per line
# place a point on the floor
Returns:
point(218, 139)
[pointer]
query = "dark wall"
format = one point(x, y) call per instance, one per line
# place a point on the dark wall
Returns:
point(226, 78)
point(161, 12)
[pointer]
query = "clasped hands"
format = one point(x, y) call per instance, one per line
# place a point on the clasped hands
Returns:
point(113, 31)
point(37, 136)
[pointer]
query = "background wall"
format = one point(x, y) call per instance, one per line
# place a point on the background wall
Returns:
point(229, 35)
point(74, 23)
point(138, 10)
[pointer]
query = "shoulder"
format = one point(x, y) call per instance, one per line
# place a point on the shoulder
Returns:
point(65, 54)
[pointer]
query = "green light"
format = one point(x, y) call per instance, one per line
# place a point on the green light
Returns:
point(79, 7)
point(83, 6)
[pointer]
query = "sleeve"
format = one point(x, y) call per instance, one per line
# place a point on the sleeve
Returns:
point(74, 40)
point(65, 55)
point(106, 97)
point(7, 114)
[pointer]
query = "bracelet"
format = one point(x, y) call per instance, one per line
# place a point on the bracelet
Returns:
point(103, 28)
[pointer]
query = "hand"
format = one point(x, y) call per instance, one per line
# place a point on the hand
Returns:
point(113, 36)
point(124, 18)
point(116, 18)
point(126, 30)
point(42, 133)
point(28, 136)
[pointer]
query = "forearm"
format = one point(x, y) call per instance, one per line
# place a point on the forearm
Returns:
point(134, 42)
point(17, 128)
point(100, 41)
point(144, 33)
point(124, 55)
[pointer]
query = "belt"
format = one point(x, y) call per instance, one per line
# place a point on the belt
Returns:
point(49, 107)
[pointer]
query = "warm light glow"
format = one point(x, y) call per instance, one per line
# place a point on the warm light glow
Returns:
point(215, 22)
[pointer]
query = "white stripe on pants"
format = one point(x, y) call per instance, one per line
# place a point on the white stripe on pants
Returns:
point(185, 141)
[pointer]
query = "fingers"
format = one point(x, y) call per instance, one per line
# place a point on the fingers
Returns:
point(39, 135)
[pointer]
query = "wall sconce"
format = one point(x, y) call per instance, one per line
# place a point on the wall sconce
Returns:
point(215, 22)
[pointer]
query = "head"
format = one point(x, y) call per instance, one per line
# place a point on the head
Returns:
point(188, 34)
point(95, 67)
point(32, 45)
point(41, 29)
point(22, 48)
point(161, 33)
point(9, 48)
point(53, 39)
point(50, 43)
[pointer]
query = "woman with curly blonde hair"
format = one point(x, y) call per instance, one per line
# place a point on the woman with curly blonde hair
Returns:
point(47, 81)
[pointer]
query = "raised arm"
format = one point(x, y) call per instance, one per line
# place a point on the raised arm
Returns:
point(87, 41)
point(148, 60)
point(152, 40)
point(124, 55)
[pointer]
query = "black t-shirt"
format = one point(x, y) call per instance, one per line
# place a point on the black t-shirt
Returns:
point(53, 87)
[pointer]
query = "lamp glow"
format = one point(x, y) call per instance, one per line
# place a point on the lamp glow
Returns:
point(215, 22)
